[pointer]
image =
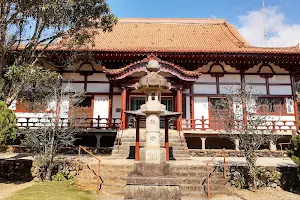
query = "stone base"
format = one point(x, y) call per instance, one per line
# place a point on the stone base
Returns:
point(153, 156)
point(152, 192)
point(152, 188)
point(151, 170)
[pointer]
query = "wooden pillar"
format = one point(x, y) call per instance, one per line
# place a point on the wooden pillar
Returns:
point(110, 104)
point(167, 138)
point(192, 108)
point(123, 116)
point(137, 139)
point(179, 108)
point(295, 101)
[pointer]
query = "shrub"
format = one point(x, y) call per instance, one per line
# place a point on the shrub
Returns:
point(8, 124)
point(58, 177)
point(294, 152)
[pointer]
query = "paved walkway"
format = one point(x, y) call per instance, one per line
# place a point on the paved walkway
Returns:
point(261, 161)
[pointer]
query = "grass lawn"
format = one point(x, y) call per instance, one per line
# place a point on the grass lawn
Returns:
point(65, 190)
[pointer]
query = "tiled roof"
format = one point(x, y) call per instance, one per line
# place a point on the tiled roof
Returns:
point(173, 35)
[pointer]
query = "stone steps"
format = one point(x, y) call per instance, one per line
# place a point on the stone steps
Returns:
point(193, 179)
point(127, 143)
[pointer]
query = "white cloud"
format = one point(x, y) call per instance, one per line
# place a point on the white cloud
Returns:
point(280, 34)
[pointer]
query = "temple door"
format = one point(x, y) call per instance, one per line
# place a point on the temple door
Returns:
point(81, 114)
point(218, 113)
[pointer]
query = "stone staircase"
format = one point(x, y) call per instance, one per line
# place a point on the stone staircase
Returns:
point(178, 146)
point(193, 179)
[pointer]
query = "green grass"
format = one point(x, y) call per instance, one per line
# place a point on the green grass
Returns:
point(64, 190)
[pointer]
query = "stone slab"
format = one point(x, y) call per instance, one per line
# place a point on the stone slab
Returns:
point(152, 192)
point(152, 170)
point(157, 155)
point(169, 180)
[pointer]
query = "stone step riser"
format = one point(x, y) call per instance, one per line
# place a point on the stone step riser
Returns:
point(162, 145)
point(173, 140)
point(127, 151)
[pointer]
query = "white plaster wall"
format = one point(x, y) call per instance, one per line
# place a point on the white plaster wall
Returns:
point(230, 78)
point(97, 77)
point(101, 104)
point(117, 102)
point(280, 79)
point(205, 89)
point(229, 89)
point(280, 90)
point(97, 87)
point(74, 87)
point(289, 105)
point(13, 105)
point(206, 78)
point(187, 91)
point(201, 109)
point(258, 89)
point(254, 79)
point(64, 108)
point(188, 107)
point(73, 77)
point(238, 111)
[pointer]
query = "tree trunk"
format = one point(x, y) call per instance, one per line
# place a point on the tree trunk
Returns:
point(51, 156)
point(251, 162)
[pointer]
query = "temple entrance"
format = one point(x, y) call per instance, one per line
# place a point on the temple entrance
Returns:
point(136, 102)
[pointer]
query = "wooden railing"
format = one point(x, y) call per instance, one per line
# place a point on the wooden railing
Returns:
point(208, 170)
point(220, 124)
point(97, 123)
point(98, 168)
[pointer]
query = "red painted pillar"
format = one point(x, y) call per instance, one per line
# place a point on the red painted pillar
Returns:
point(137, 140)
point(111, 95)
point(192, 122)
point(167, 138)
point(123, 116)
point(179, 108)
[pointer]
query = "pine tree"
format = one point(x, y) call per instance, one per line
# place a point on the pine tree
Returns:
point(8, 124)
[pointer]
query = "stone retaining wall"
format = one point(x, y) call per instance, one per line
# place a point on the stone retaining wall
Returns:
point(272, 177)
point(234, 153)
point(67, 150)
point(15, 170)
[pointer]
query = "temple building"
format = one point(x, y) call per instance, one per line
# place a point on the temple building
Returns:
point(201, 58)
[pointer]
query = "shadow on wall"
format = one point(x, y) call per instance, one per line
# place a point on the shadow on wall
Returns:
point(15, 170)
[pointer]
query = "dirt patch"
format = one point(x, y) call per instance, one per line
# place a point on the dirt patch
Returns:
point(263, 194)
point(7, 189)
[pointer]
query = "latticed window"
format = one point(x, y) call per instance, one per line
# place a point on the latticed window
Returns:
point(270, 105)
point(29, 106)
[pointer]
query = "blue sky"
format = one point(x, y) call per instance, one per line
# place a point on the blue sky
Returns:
point(244, 14)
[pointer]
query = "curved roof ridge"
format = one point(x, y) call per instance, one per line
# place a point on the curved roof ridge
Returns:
point(172, 20)
point(233, 35)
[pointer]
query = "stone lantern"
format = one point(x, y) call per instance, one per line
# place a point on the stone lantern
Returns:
point(151, 178)
point(152, 85)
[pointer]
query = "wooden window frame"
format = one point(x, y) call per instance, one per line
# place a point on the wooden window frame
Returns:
point(18, 109)
point(275, 113)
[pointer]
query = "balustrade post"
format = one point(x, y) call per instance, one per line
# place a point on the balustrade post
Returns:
point(27, 122)
point(98, 121)
point(202, 123)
